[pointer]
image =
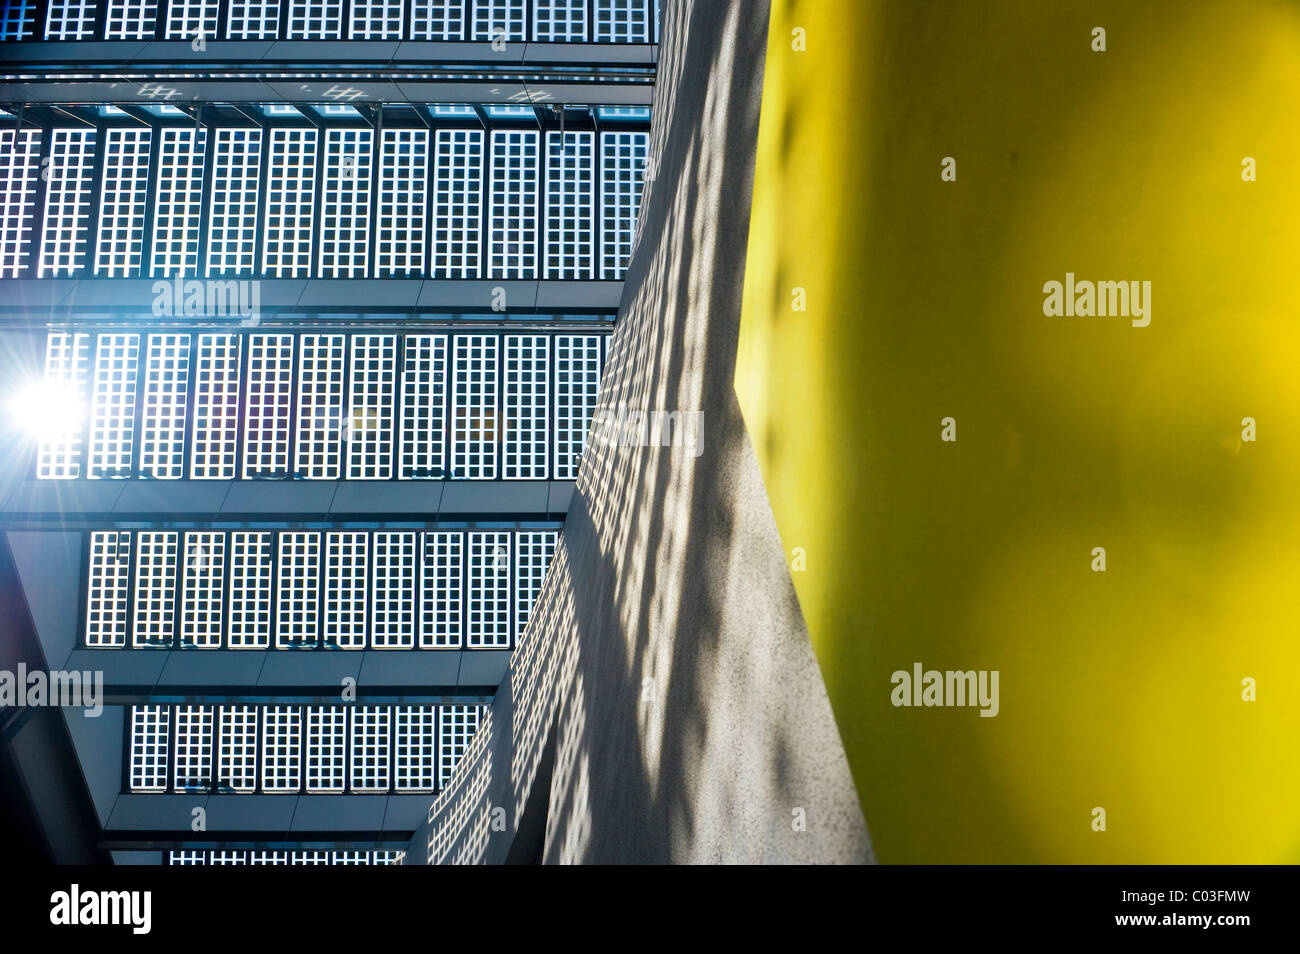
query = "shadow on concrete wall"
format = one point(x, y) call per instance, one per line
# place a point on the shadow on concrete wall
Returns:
point(666, 660)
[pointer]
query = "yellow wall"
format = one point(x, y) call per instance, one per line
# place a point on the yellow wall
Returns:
point(1119, 689)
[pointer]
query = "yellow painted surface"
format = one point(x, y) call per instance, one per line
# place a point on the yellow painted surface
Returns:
point(1119, 689)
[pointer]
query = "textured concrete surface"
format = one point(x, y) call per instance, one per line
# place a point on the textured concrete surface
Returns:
point(666, 700)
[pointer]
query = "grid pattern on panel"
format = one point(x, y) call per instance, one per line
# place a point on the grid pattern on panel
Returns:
point(393, 623)
point(191, 19)
point(415, 757)
point(349, 588)
point(19, 158)
point(297, 589)
point(267, 405)
point(70, 20)
point(622, 21)
point(253, 19)
point(512, 251)
point(570, 201)
point(487, 603)
point(203, 589)
point(347, 561)
point(16, 20)
point(457, 725)
point(376, 20)
point(371, 403)
point(162, 419)
point(534, 550)
point(318, 451)
point(150, 747)
point(499, 19)
point(525, 407)
point(345, 225)
point(130, 19)
point(123, 194)
point(438, 20)
point(281, 749)
point(112, 410)
point(107, 590)
point(577, 386)
point(327, 731)
point(622, 161)
point(403, 179)
point(153, 622)
point(232, 222)
point(290, 204)
point(289, 858)
point(67, 369)
point(474, 408)
point(424, 406)
point(315, 19)
point(237, 748)
point(216, 406)
point(457, 202)
point(440, 605)
point(313, 749)
point(68, 174)
point(250, 589)
point(178, 202)
point(559, 19)
point(371, 756)
point(469, 406)
point(192, 764)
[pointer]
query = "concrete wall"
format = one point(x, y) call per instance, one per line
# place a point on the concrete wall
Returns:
point(666, 705)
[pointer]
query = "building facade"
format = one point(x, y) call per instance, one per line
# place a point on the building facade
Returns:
point(304, 308)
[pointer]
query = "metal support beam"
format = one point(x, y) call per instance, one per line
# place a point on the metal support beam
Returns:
point(73, 115)
point(150, 203)
point(32, 242)
point(205, 202)
point(96, 203)
point(89, 504)
point(140, 115)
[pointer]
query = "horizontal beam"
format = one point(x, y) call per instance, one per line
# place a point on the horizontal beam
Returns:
point(47, 298)
point(286, 676)
point(326, 71)
point(138, 818)
point(88, 504)
point(126, 55)
point(415, 90)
